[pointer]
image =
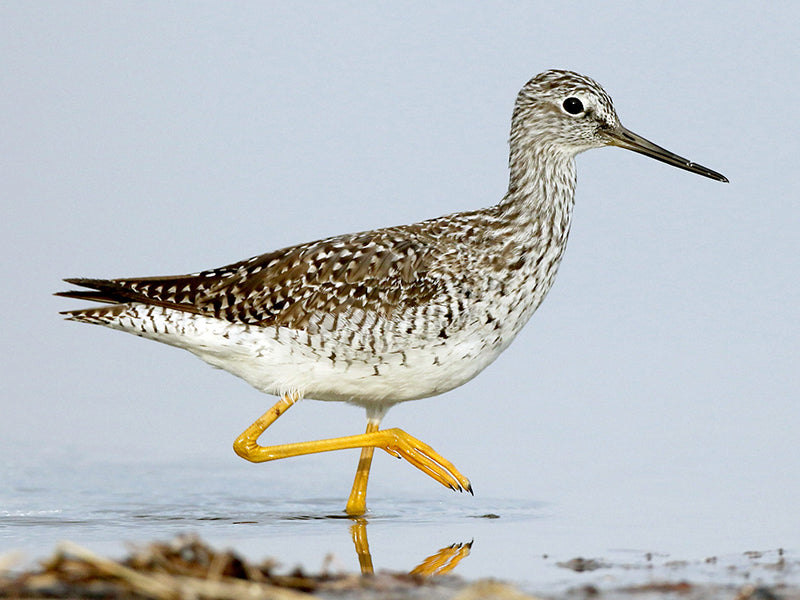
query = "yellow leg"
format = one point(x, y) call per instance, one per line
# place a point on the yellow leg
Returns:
point(395, 441)
point(357, 503)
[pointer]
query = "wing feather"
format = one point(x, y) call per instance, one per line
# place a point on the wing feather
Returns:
point(377, 271)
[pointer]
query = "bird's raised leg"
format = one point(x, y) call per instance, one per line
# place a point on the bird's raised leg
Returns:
point(357, 503)
point(395, 441)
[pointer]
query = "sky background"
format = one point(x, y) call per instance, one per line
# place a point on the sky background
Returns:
point(171, 137)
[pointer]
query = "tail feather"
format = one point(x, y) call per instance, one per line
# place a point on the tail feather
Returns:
point(101, 315)
point(126, 291)
point(102, 290)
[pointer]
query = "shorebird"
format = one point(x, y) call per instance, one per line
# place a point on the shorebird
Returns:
point(385, 316)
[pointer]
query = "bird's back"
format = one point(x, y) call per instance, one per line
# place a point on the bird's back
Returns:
point(407, 311)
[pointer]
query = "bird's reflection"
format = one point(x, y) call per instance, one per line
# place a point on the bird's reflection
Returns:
point(358, 530)
point(443, 561)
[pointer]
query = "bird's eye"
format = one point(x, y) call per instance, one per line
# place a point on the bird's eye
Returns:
point(573, 106)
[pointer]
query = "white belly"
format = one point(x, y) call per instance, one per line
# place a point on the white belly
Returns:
point(277, 360)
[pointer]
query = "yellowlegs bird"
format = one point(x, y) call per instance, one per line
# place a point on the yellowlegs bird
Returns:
point(402, 313)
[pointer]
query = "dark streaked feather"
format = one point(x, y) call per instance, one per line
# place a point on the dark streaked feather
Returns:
point(374, 271)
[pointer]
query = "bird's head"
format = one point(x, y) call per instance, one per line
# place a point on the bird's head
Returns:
point(566, 113)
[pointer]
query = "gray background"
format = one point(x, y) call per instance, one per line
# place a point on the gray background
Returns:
point(661, 371)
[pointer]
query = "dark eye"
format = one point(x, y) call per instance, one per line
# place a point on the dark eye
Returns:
point(573, 106)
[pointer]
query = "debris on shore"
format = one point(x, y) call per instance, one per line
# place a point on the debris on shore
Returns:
point(187, 568)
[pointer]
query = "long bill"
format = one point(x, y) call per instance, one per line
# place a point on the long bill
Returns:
point(625, 138)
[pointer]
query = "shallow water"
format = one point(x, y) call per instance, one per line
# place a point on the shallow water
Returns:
point(106, 506)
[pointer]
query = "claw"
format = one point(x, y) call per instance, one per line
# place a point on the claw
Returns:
point(426, 459)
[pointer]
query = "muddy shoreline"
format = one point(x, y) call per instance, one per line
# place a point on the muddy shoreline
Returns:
point(187, 567)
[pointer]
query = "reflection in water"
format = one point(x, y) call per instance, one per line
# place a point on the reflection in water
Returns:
point(359, 532)
point(443, 561)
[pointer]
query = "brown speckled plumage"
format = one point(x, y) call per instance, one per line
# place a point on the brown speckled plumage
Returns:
point(399, 313)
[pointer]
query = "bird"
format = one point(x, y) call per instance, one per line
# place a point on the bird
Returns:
point(400, 313)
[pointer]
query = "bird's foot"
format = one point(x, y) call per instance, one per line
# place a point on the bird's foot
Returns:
point(426, 459)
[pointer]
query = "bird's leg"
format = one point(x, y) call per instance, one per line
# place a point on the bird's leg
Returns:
point(357, 503)
point(395, 441)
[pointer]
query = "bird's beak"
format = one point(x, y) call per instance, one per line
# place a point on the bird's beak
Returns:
point(625, 138)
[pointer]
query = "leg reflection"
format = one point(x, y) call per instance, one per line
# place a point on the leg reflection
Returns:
point(439, 563)
point(359, 532)
point(444, 561)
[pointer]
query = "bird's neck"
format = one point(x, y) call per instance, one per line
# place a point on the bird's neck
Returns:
point(541, 189)
point(529, 232)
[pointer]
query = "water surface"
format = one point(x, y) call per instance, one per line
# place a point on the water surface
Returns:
point(107, 506)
